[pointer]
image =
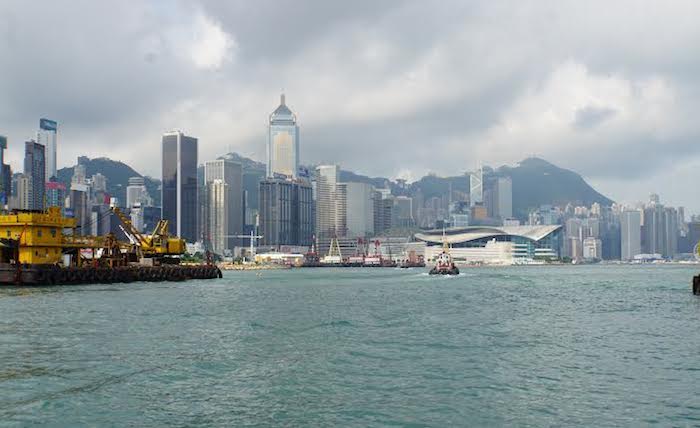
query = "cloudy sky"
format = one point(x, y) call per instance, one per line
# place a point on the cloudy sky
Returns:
point(608, 89)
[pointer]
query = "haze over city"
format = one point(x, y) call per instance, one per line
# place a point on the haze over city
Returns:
point(608, 90)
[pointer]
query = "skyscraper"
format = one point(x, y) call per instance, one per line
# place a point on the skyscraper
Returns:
point(631, 234)
point(476, 187)
point(136, 193)
point(286, 212)
point(47, 137)
point(5, 174)
point(330, 213)
point(283, 142)
point(224, 211)
point(359, 210)
point(35, 169)
point(179, 185)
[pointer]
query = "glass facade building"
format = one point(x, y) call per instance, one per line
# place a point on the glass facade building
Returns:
point(286, 212)
point(283, 143)
point(35, 169)
point(179, 185)
point(46, 136)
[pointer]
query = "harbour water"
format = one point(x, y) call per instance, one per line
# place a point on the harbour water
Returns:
point(532, 346)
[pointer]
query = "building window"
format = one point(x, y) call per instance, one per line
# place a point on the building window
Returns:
point(53, 233)
point(38, 233)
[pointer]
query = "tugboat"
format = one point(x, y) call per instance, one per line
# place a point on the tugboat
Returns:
point(444, 264)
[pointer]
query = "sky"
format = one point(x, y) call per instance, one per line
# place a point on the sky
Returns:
point(393, 88)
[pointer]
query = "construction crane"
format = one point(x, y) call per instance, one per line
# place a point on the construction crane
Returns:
point(253, 239)
point(159, 244)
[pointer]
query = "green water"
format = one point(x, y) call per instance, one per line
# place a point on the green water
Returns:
point(527, 346)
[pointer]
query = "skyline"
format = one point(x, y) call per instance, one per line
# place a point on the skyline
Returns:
point(620, 114)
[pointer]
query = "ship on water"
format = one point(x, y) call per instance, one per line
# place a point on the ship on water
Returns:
point(444, 265)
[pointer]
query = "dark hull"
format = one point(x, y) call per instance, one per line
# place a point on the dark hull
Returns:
point(450, 271)
point(11, 274)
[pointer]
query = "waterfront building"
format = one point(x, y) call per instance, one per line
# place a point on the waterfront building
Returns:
point(592, 248)
point(631, 234)
point(383, 206)
point(283, 142)
point(286, 213)
point(46, 136)
point(35, 170)
point(359, 209)
point(179, 184)
point(330, 202)
point(498, 245)
point(217, 235)
point(223, 212)
point(80, 207)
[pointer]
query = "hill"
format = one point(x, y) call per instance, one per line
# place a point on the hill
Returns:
point(117, 174)
point(537, 182)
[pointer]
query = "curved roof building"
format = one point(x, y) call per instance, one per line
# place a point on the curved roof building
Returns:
point(501, 245)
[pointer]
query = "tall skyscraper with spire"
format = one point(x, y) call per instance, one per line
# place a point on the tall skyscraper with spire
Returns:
point(283, 142)
point(46, 136)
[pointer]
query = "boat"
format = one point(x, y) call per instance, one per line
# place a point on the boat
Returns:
point(444, 265)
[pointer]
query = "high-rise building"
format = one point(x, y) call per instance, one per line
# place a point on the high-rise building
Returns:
point(403, 211)
point(283, 142)
point(224, 212)
point(5, 174)
point(217, 235)
point(330, 202)
point(35, 169)
point(137, 193)
point(23, 185)
point(383, 207)
point(286, 212)
point(46, 136)
point(55, 194)
point(359, 209)
point(631, 234)
point(592, 248)
point(179, 184)
point(476, 187)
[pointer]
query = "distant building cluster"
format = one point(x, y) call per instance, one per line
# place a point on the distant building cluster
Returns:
point(228, 205)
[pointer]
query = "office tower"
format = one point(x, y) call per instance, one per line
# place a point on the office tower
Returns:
point(35, 169)
point(81, 208)
point(5, 174)
point(283, 142)
point(476, 188)
point(403, 211)
point(23, 186)
point(498, 197)
point(631, 234)
point(137, 193)
point(383, 207)
point(217, 235)
point(179, 184)
point(286, 212)
point(592, 248)
point(79, 174)
point(99, 183)
point(359, 209)
point(224, 210)
point(55, 194)
point(46, 136)
point(670, 233)
point(330, 202)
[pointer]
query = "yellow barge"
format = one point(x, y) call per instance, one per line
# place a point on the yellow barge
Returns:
point(42, 248)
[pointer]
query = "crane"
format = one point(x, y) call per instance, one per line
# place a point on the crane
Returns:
point(253, 239)
point(158, 244)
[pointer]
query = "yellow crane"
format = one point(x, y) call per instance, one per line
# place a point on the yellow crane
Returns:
point(158, 244)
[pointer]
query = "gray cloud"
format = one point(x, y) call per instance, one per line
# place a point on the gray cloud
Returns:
point(382, 87)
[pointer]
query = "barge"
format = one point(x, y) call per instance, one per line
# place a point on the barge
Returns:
point(43, 248)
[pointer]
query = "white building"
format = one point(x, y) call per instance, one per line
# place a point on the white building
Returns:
point(283, 142)
point(330, 202)
point(631, 234)
point(46, 136)
point(504, 197)
point(224, 211)
point(137, 193)
point(592, 248)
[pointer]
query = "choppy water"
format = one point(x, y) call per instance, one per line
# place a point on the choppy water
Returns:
point(590, 345)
